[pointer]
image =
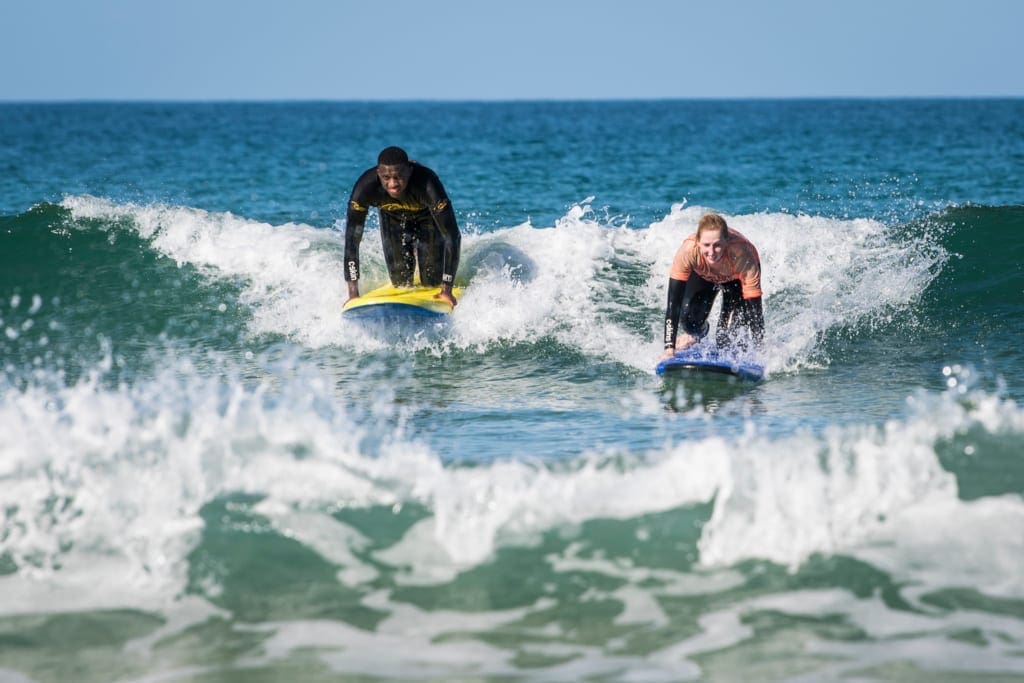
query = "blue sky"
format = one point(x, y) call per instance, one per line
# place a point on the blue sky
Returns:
point(516, 49)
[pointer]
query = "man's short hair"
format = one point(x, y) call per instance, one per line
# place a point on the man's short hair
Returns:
point(392, 156)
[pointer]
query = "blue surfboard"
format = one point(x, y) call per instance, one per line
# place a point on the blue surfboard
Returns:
point(694, 362)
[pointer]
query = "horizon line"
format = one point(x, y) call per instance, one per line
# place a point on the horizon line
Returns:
point(523, 100)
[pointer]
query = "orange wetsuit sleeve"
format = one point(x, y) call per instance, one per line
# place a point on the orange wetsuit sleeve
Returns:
point(684, 260)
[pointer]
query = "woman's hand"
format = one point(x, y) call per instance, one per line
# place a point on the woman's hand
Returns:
point(685, 341)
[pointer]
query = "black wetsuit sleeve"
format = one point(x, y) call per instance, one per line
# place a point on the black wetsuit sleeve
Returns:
point(444, 217)
point(355, 221)
point(753, 313)
point(676, 288)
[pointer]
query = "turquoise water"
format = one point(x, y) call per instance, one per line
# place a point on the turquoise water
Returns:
point(209, 475)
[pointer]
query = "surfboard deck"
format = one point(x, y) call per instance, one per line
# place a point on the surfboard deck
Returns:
point(708, 364)
point(388, 301)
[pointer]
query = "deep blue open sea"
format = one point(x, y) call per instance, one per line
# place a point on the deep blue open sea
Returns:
point(206, 474)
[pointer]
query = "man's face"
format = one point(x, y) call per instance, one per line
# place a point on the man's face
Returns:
point(711, 245)
point(394, 178)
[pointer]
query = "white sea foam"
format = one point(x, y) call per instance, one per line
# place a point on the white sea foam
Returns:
point(103, 487)
point(536, 282)
point(817, 273)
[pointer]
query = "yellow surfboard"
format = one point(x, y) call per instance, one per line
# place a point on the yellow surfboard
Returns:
point(390, 301)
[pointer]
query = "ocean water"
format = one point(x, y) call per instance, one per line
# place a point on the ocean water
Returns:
point(206, 474)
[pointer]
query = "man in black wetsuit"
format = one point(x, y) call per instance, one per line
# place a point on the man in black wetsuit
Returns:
point(417, 224)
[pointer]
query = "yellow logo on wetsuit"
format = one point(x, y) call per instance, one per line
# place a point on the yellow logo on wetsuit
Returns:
point(356, 206)
point(398, 206)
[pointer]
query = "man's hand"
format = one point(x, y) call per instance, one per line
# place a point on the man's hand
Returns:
point(353, 290)
point(446, 294)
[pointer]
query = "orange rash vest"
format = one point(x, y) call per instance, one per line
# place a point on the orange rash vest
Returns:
point(739, 261)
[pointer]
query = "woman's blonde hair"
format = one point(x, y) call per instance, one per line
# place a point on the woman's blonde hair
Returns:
point(712, 221)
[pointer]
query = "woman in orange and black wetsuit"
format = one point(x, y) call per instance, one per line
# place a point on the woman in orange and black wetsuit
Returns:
point(714, 258)
point(417, 224)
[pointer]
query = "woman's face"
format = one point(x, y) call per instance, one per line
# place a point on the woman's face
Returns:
point(711, 245)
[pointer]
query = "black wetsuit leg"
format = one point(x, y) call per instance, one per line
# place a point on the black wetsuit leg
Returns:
point(739, 314)
point(429, 252)
point(398, 243)
point(698, 298)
